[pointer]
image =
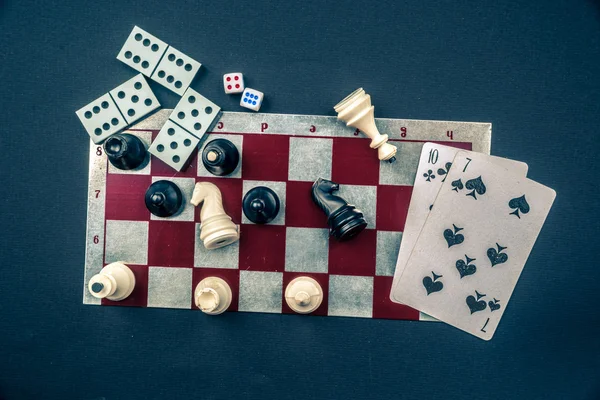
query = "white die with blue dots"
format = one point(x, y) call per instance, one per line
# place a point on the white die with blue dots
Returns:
point(252, 99)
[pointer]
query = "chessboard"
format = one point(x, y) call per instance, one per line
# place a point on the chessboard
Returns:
point(287, 153)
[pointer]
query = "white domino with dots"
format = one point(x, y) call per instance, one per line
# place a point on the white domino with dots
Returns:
point(101, 118)
point(233, 82)
point(173, 145)
point(252, 99)
point(195, 113)
point(142, 51)
point(176, 71)
point(135, 99)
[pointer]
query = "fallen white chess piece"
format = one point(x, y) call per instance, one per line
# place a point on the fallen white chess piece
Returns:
point(356, 111)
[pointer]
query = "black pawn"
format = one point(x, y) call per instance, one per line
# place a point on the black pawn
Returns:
point(163, 198)
point(345, 221)
point(125, 151)
point(220, 157)
point(260, 205)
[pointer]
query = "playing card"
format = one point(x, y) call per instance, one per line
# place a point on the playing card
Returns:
point(434, 165)
point(474, 245)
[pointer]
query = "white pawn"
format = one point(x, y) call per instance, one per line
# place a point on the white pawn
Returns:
point(217, 229)
point(303, 295)
point(212, 295)
point(115, 282)
point(356, 110)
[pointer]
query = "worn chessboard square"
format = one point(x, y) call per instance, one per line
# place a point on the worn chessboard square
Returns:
point(224, 257)
point(260, 291)
point(186, 185)
point(388, 246)
point(144, 168)
point(350, 296)
point(278, 188)
point(301, 211)
point(265, 157)
point(403, 170)
point(354, 162)
point(237, 140)
point(171, 243)
point(306, 250)
point(310, 158)
point(125, 197)
point(126, 241)
point(384, 307)
point(364, 198)
point(392, 207)
point(262, 247)
point(355, 256)
point(169, 287)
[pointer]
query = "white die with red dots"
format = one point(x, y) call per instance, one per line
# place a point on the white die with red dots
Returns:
point(252, 99)
point(233, 82)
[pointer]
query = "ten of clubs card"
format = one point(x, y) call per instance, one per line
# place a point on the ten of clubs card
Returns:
point(474, 244)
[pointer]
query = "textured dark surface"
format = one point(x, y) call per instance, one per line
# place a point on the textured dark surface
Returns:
point(531, 68)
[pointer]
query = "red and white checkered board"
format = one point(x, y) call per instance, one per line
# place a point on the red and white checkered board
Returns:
point(286, 153)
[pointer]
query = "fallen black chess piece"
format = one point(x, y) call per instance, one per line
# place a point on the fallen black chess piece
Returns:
point(345, 220)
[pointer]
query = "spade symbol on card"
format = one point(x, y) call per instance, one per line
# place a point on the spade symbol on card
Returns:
point(457, 185)
point(476, 304)
point(466, 268)
point(453, 237)
point(429, 175)
point(476, 187)
point(519, 204)
point(497, 257)
point(444, 171)
point(494, 305)
point(433, 285)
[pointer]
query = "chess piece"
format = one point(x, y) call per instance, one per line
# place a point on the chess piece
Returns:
point(356, 110)
point(212, 295)
point(220, 157)
point(344, 220)
point(114, 282)
point(303, 295)
point(217, 229)
point(125, 151)
point(260, 205)
point(163, 198)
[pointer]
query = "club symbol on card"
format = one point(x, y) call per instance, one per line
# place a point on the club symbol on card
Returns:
point(497, 256)
point(453, 237)
point(429, 175)
point(476, 304)
point(519, 204)
point(457, 185)
point(494, 305)
point(466, 268)
point(476, 187)
point(433, 285)
point(444, 171)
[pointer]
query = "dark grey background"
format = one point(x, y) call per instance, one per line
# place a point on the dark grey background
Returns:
point(532, 68)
